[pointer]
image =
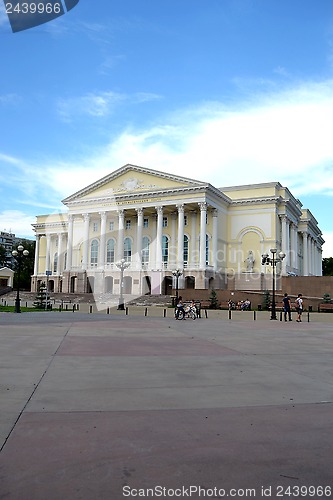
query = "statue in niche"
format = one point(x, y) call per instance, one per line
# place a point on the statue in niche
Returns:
point(249, 262)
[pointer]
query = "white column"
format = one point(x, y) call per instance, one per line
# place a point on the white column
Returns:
point(159, 235)
point(36, 255)
point(309, 256)
point(173, 246)
point(85, 255)
point(60, 254)
point(102, 241)
point(214, 237)
point(48, 249)
point(69, 243)
point(120, 242)
point(203, 214)
point(193, 246)
point(293, 246)
point(305, 254)
point(284, 243)
point(139, 211)
point(180, 246)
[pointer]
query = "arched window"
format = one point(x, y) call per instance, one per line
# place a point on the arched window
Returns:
point(127, 249)
point(55, 263)
point(185, 249)
point(94, 253)
point(207, 249)
point(110, 253)
point(165, 250)
point(145, 250)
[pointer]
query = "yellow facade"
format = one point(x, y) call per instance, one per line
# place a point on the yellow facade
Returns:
point(158, 222)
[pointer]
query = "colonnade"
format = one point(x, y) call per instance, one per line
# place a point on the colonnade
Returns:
point(309, 261)
point(196, 230)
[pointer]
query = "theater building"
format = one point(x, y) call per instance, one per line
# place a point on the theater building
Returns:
point(158, 223)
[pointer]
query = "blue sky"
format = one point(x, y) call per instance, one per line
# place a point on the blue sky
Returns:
point(226, 91)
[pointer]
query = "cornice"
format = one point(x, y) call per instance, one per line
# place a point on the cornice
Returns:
point(254, 201)
point(126, 168)
point(151, 195)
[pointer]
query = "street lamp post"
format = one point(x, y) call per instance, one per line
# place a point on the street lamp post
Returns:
point(122, 265)
point(273, 261)
point(18, 255)
point(177, 273)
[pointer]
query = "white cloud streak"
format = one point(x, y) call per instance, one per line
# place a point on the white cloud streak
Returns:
point(278, 136)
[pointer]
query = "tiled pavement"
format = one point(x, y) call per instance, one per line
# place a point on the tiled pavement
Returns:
point(109, 407)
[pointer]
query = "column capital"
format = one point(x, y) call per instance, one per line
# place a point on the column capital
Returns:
point(121, 213)
point(159, 210)
point(103, 214)
point(215, 212)
point(139, 211)
point(86, 217)
point(180, 208)
point(202, 205)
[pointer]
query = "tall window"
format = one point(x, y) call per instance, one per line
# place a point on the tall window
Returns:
point(127, 249)
point(94, 253)
point(111, 226)
point(128, 224)
point(165, 250)
point(145, 222)
point(95, 227)
point(185, 249)
point(145, 250)
point(55, 263)
point(110, 253)
point(165, 222)
point(207, 249)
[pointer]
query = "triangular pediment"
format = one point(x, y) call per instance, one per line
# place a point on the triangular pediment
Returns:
point(132, 179)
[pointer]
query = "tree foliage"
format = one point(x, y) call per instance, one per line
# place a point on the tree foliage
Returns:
point(27, 266)
point(328, 266)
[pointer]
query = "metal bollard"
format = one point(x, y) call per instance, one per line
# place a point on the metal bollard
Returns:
point(90, 309)
point(146, 311)
point(74, 308)
point(107, 310)
point(229, 314)
point(308, 316)
point(164, 313)
point(254, 315)
point(126, 311)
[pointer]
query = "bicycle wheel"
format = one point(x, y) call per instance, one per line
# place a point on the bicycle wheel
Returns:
point(180, 314)
point(193, 315)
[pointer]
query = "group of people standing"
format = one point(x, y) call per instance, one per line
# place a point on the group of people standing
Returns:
point(299, 307)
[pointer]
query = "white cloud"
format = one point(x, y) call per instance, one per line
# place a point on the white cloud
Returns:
point(278, 136)
point(17, 222)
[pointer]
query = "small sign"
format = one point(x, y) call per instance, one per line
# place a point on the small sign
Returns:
point(48, 273)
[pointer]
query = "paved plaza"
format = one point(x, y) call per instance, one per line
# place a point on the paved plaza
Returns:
point(97, 406)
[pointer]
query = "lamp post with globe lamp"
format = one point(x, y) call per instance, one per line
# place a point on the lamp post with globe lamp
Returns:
point(19, 254)
point(122, 265)
point(273, 261)
point(177, 273)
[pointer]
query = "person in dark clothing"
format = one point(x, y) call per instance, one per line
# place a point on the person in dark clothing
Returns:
point(287, 307)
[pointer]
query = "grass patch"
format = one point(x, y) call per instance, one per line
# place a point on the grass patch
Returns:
point(24, 309)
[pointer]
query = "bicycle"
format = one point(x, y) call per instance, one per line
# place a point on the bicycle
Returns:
point(179, 313)
point(191, 312)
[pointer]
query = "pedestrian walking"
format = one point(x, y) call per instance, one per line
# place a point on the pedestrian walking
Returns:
point(287, 307)
point(299, 305)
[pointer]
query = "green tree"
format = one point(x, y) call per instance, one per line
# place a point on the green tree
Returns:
point(328, 266)
point(27, 266)
point(214, 303)
point(2, 256)
point(40, 299)
point(267, 300)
